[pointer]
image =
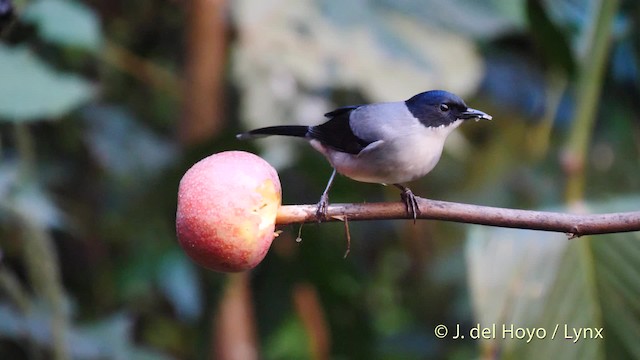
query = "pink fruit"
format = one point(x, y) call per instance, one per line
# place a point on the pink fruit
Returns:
point(227, 205)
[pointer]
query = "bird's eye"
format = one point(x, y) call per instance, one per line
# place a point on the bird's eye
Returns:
point(444, 107)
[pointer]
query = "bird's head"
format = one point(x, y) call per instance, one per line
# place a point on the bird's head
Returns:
point(439, 108)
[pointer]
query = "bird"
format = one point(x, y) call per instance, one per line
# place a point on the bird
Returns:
point(386, 143)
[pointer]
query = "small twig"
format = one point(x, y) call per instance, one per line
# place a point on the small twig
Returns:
point(575, 224)
point(346, 230)
point(299, 238)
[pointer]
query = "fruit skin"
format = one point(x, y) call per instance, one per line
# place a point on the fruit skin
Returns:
point(227, 206)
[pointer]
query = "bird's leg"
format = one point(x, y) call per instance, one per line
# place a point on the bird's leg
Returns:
point(321, 212)
point(410, 201)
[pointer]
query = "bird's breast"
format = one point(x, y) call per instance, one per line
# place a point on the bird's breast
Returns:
point(398, 159)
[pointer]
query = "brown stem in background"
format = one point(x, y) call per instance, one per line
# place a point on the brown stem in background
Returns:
point(206, 54)
point(234, 325)
point(309, 308)
point(573, 224)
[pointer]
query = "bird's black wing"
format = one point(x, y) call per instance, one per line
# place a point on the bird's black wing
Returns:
point(341, 110)
point(337, 134)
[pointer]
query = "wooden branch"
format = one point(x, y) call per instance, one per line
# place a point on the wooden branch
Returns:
point(574, 225)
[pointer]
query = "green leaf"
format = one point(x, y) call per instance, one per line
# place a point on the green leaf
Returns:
point(481, 20)
point(541, 280)
point(289, 341)
point(549, 38)
point(109, 338)
point(178, 280)
point(26, 199)
point(65, 23)
point(31, 90)
point(124, 146)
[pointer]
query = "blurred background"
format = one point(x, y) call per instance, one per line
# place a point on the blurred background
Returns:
point(105, 104)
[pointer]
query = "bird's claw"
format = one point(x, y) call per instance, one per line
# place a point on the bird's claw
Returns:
point(411, 203)
point(323, 204)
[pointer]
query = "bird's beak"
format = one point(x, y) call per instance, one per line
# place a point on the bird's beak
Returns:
point(477, 115)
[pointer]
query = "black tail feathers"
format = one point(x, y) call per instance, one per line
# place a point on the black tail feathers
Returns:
point(285, 130)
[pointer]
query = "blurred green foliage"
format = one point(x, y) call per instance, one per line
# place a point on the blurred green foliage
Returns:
point(90, 163)
point(33, 90)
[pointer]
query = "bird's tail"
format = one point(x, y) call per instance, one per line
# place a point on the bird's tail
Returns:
point(285, 130)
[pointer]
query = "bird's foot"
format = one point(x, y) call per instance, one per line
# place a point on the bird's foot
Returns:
point(410, 202)
point(323, 204)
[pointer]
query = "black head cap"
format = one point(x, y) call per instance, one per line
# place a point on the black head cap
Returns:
point(6, 14)
point(440, 108)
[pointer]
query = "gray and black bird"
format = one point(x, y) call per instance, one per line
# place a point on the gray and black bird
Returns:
point(386, 143)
